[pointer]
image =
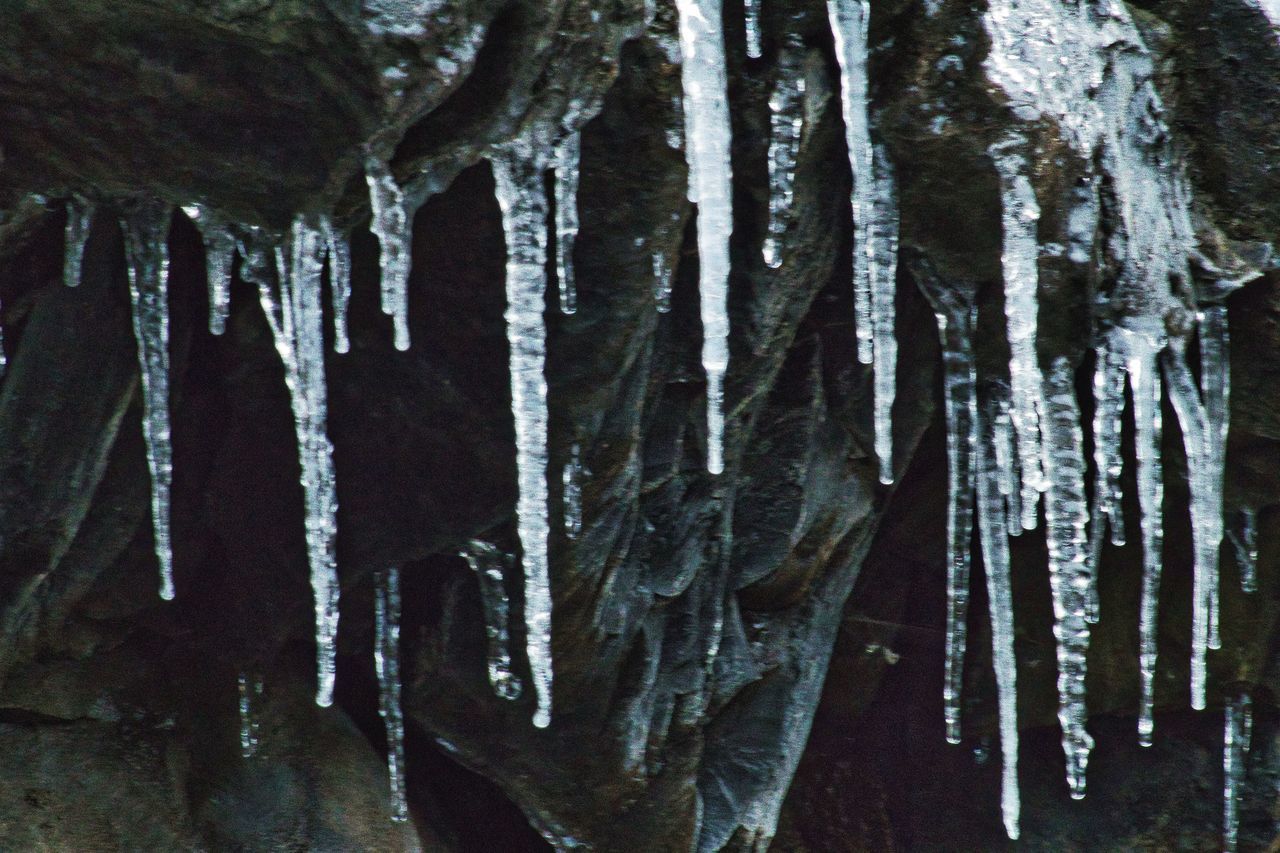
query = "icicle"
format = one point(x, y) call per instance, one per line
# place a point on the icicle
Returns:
point(386, 660)
point(662, 282)
point(1108, 396)
point(1206, 509)
point(393, 227)
point(1019, 216)
point(884, 272)
point(79, 220)
point(1244, 541)
point(573, 494)
point(850, 20)
point(487, 562)
point(786, 120)
point(3, 361)
point(297, 325)
point(250, 729)
point(567, 156)
point(1066, 514)
point(1215, 384)
point(220, 256)
point(1237, 725)
point(993, 529)
point(339, 282)
point(706, 115)
point(518, 178)
point(956, 315)
point(751, 12)
point(146, 233)
point(1006, 456)
point(1145, 387)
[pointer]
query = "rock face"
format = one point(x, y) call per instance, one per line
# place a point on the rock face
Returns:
point(702, 625)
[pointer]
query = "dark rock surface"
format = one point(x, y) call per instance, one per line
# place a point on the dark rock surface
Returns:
point(694, 616)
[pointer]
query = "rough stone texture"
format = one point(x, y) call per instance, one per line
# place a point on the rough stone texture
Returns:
point(694, 618)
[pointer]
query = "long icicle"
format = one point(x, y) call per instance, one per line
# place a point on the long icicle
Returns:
point(955, 313)
point(1019, 216)
point(707, 134)
point(1066, 515)
point(993, 525)
point(297, 326)
point(393, 225)
point(884, 274)
point(1144, 380)
point(1215, 384)
point(1206, 508)
point(146, 232)
point(850, 22)
point(517, 174)
point(386, 660)
point(1237, 731)
point(568, 155)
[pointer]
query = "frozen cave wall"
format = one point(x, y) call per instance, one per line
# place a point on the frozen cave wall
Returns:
point(735, 655)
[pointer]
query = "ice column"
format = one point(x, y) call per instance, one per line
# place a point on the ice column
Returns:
point(517, 173)
point(146, 232)
point(707, 134)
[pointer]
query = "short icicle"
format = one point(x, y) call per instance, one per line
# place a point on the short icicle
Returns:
point(1019, 216)
point(572, 482)
point(1066, 516)
point(339, 249)
point(1140, 354)
point(79, 220)
point(1108, 397)
point(568, 155)
point(392, 223)
point(146, 231)
point(1243, 535)
point(993, 527)
point(487, 562)
point(954, 309)
point(517, 172)
point(707, 134)
point(220, 256)
point(297, 326)
point(386, 660)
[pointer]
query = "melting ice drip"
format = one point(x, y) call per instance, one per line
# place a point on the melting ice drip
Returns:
point(146, 232)
point(875, 221)
point(707, 134)
point(250, 695)
point(517, 173)
point(297, 326)
point(1236, 734)
point(386, 661)
point(488, 562)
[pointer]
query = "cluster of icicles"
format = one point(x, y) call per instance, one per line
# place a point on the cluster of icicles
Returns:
point(1009, 443)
